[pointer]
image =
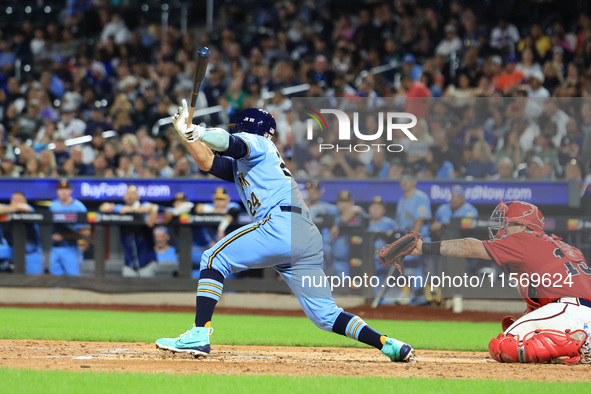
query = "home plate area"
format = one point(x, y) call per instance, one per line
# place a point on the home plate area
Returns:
point(271, 360)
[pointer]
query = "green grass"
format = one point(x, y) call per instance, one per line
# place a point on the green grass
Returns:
point(108, 326)
point(28, 381)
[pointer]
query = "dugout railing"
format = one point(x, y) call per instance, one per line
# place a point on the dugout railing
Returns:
point(574, 230)
point(106, 226)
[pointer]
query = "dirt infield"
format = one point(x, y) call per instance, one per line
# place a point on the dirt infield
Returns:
point(271, 360)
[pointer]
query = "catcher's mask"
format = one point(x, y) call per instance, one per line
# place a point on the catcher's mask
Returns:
point(517, 212)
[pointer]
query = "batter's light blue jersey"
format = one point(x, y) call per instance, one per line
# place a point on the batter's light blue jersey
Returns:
point(444, 212)
point(262, 179)
point(417, 206)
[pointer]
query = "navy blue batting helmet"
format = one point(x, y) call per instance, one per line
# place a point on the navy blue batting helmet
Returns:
point(255, 121)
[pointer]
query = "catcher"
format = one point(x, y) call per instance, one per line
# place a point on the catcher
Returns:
point(553, 329)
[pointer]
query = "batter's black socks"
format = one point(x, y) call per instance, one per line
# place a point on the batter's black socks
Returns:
point(209, 291)
point(354, 327)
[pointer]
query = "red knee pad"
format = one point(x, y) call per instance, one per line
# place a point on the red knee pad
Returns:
point(538, 346)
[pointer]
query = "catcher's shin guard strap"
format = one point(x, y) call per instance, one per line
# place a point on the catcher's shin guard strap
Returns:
point(539, 346)
point(432, 248)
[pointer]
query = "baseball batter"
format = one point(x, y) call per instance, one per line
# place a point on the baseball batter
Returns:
point(282, 236)
point(554, 280)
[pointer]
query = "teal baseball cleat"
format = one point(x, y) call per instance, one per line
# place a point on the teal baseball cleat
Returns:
point(195, 341)
point(397, 351)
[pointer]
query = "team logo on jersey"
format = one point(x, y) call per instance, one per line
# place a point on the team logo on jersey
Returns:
point(242, 180)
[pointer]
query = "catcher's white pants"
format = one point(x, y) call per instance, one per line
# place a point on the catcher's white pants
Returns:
point(565, 314)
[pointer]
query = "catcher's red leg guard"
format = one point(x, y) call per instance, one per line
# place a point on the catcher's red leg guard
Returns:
point(540, 346)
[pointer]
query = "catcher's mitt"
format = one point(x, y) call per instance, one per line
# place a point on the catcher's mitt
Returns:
point(395, 252)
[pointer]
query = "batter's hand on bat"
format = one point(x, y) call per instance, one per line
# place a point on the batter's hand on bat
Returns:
point(180, 119)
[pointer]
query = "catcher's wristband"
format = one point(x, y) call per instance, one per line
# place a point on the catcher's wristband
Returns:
point(432, 248)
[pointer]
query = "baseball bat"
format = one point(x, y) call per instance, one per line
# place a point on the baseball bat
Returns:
point(200, 67)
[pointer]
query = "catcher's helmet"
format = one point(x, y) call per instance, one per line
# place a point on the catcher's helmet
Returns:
point(255, 121)
point(515, 212)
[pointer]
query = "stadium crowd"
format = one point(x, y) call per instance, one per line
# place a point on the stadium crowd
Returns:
point(99, 68)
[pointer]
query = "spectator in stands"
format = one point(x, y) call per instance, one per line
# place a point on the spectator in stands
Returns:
point(396, 168)
point(480, 164)
point(559, 118)
point(536, 86)
point(553, 77)
point(541, 41)
point(451, 43)
point(449, 152)
point(568, 150)
point(545, 149)
point(165, 253)
point(34, 260)
point(100, 167)
point(528, 66)
point(97, 120)
point(410, 66)
point(7, 57)
point(66, 253)
point(321, 72)
point(80, 168)
point(9, 169)
point(435, 166)
point(379, 166)
point(504, 36)
point(505, 169)
point(70, 125)
point(414, 91)
point(30, 122)
point(511, 144)
point(81, 76)
point(137, 240)
point(460, 92)
point(349, 214)
point(214, 86)
point(182, 168)
point(115, 29)
point(417, 150)
point(47, 164)
point(510, 79)
point(535, 168)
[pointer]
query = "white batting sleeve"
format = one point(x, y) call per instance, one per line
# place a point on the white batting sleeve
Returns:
point(216, 139)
